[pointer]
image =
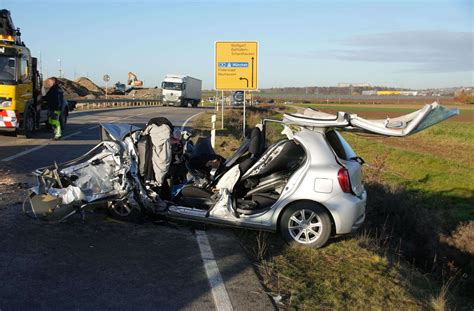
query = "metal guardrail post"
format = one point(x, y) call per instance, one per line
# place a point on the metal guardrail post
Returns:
point(101, 103)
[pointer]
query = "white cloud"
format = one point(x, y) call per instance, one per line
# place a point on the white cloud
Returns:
point(421, 51)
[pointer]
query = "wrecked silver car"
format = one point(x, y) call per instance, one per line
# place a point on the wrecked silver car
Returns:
point(307, 186)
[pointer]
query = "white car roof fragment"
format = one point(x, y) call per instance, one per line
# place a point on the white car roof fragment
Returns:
point(400, 126)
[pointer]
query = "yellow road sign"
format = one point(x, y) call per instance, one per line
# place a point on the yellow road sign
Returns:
point(236, 65)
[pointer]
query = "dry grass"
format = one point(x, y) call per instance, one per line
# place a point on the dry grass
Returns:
point(462, 238)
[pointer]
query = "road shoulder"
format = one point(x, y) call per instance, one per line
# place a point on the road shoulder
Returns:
point(242, 284)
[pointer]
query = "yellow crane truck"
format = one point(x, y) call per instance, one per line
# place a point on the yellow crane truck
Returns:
point(21, 107)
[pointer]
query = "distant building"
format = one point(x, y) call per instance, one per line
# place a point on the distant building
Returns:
point(409, 93)
point(388, 93)
point(369, 93)
point(344, 84)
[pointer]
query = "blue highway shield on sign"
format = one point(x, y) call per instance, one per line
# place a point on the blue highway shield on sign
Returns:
point(233, 64)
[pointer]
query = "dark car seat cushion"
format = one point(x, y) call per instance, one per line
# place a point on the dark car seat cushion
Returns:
point(256, 147)
point(195, 192)
point(256, 142)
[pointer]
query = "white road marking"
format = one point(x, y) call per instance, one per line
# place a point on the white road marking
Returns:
point(219, 292)
point(73, 134)
point(78, 132)
point(189, 119)
point(119, 119)
point(13, 157)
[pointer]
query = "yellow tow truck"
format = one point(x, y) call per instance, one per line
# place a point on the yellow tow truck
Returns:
point(21, 107)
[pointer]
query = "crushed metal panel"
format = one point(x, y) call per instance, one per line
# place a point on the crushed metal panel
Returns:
point(405, 125)
point(314, 118)
point(113, 131)
point(399, 127)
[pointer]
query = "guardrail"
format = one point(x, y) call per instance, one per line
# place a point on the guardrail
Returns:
point(86, 104)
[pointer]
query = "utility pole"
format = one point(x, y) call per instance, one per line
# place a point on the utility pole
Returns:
point(40, 62)
point(60, 68)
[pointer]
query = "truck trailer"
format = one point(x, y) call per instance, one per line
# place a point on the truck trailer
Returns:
point(181, 91)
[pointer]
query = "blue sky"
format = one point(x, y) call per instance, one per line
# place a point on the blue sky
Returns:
point(411, 44)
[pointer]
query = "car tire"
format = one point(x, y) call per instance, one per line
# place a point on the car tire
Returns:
point(28, 126)
point(306, 224)
point(123, 211)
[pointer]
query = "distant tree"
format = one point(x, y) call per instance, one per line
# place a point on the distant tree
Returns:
point(464, 97)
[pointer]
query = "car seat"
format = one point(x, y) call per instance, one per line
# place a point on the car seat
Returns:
point(254, 146)
point(247, 154)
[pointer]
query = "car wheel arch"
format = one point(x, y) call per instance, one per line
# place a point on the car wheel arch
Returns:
point(331, 217)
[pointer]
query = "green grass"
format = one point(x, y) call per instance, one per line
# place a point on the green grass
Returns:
point(349, 107)
point(423, 187)
point(430, 174)
point(460, 132)
point(344, 276)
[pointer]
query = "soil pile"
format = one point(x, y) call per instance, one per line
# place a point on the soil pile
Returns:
point(153, 93)
point(72, 89)
point(91, 86)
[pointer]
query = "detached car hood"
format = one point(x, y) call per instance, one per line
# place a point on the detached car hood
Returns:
point(400, 126)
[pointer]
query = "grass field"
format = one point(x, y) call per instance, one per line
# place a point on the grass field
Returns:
point(416, 249)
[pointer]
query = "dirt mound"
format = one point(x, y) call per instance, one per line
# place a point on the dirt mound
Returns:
point(91, 86)
point(72, 89)
point(145, 93)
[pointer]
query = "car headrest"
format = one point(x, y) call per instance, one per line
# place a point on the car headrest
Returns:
point(256, 142)
point(160, 121)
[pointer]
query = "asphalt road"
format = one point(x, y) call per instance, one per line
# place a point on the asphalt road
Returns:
point(103, 263)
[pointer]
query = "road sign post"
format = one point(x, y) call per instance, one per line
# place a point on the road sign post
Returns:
point(236, 68)
point(213, 131)
point(243, 125)
point(222, 110)
point(106, 79)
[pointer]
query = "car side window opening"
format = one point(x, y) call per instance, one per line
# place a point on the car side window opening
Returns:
point(339, 145)
point(273, 133)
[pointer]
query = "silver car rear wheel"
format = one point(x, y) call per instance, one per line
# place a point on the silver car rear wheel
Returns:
point(306, 223)
point(305, 226)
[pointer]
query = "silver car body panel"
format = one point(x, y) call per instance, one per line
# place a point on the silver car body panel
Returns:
point(399, 127)
point(320, 164)
point(116, 131)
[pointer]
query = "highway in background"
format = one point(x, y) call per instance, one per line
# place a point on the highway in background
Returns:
point(22, 156)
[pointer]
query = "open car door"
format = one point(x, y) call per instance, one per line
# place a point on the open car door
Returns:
point(399, 127)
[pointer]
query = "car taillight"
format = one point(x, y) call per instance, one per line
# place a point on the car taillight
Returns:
point(344, 182)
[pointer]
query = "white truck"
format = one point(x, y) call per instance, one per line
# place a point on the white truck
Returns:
point(181, 90)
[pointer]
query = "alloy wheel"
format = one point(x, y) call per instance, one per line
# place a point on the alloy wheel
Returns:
point(305, 226)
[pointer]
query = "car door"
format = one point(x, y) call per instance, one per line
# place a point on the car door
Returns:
point(402, 126)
